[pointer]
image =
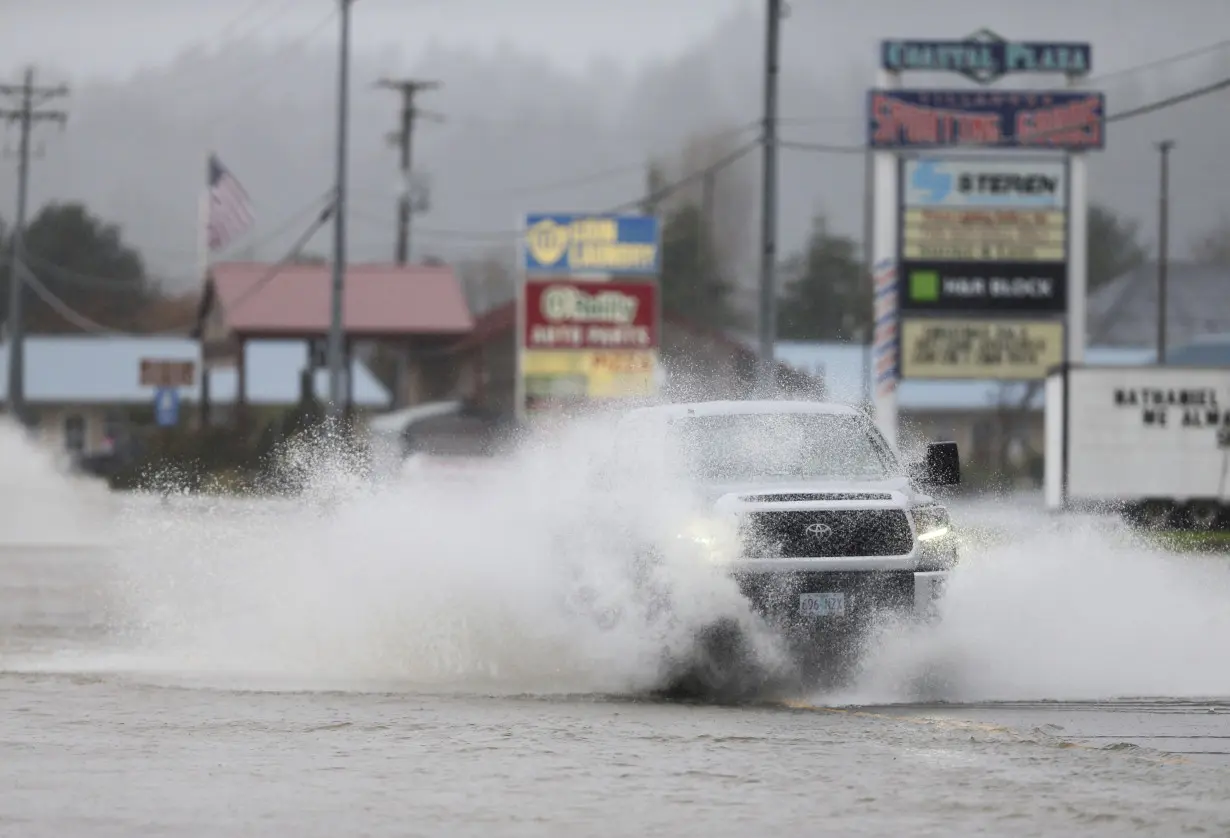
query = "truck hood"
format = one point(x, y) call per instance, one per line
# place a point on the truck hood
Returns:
point(726, 493)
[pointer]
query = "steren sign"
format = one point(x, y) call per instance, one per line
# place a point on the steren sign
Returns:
point(1007, 184)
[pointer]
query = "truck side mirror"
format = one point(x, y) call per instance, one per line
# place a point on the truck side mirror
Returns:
point(941, 465)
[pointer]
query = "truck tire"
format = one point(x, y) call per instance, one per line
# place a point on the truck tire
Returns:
point(1152, 514)
point(722, 668)
point(1205, 515)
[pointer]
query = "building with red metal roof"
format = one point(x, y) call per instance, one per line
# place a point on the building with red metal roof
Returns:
point(410, 311)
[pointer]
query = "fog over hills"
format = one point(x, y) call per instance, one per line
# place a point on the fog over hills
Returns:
point(530, 128)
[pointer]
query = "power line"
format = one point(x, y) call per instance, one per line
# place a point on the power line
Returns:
point(248, 69)
point(96, 283)
point(225, 32)
point(86, 324)
point(1161, 62)
point(129, 286)
point(822, 148)
point(695, 177)
point(579, 179)
point(296, 249)
point(655, 196)
point(67, 312)
point(326, 214)
point(1171, 101)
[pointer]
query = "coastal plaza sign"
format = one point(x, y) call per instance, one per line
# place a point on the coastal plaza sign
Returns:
point(986, 57)
point(975, 248)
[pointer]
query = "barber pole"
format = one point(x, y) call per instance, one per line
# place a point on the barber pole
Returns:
point(884, 350)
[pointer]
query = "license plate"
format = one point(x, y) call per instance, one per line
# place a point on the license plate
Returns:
point(822, 605)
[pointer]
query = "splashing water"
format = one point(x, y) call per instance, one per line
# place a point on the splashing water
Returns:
point(1065, 609)
point(43, 504)
point(521, 578)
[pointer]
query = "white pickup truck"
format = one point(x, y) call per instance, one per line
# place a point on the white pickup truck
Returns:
point(808, 508)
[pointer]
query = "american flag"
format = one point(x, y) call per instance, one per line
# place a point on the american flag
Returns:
point(230, 210)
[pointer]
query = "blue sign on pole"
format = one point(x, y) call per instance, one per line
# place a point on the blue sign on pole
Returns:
point(577, 243)
point(166, 407)
point(1067, 120)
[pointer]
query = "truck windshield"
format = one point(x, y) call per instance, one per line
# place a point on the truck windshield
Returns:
point(751, 446)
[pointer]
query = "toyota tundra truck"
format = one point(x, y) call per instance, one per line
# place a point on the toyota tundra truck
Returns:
point(823, 527)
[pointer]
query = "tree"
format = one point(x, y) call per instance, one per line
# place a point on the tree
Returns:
point(705, 219)
point(826, 294)
point(1114, 246)
point(488, 281)
point(85, 263)
point(694, 285)
point(1213, 247)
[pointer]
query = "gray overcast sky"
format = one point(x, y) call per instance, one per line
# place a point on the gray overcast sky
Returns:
point(570, 32)
point(524, 120)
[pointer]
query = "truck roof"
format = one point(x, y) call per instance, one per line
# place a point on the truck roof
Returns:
point(737, 407)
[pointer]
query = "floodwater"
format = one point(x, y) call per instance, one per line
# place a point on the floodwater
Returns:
point(401, 665)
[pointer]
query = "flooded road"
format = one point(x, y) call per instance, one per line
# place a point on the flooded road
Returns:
point(95, 756)
point(260, 668)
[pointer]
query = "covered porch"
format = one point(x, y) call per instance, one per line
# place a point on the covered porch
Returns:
point(407, 313)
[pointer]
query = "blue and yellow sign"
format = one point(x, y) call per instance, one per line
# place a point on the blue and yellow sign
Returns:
point(620, 245)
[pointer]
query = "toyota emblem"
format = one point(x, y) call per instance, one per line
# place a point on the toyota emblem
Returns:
point(819, 530)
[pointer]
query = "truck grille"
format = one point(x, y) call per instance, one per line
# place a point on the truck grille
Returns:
point(842, 533)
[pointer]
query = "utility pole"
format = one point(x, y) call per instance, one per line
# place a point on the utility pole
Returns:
point(402, 139)
point(704, 239)
point(26, 115)
point(336, 350)
point(869, 231)
point(768, 209)
point(1163, 246)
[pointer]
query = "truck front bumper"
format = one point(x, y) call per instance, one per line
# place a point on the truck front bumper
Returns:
point(859, 596)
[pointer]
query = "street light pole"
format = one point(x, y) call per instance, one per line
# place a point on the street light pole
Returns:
point(337, 339)
point(768, 208)
point(1163, 246)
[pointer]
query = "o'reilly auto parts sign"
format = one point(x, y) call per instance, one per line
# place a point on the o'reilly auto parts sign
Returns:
point(974, 182)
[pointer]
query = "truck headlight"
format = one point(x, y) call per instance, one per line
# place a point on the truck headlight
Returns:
point(931, 523)
point(716, 538)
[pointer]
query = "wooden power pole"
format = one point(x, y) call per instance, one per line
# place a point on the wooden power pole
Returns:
point(26, 115)
point(408, 203)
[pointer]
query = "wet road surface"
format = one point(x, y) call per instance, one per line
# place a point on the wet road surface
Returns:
point(98, 741)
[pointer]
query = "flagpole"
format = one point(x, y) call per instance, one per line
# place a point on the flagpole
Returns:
point(202, 226)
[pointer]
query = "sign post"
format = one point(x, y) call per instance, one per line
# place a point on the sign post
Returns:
point(166, 407)
point(973, 254)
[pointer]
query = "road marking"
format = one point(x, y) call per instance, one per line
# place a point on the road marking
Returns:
point(984, 727)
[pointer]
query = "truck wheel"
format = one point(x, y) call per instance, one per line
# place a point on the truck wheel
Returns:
point(1205, 515)
point(721, 668)
point(1152, 514)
